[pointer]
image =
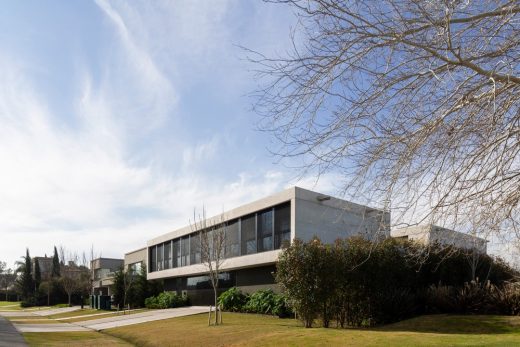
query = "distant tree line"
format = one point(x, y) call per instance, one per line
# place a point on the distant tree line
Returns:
point(67, 281)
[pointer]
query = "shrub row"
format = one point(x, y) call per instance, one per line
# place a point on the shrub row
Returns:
point(359, 283)
point(262, 301)
point(474, 298)
point(166, 300)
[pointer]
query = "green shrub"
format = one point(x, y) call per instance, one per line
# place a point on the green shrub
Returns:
point(262, 301)
point(166, 300)
point(29, 302)
point(281, 306)
point(362, 283)
point(232, 300)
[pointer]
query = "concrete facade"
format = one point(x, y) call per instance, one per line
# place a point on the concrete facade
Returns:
point(429, 234)
point(301, 212)
point(134, 260)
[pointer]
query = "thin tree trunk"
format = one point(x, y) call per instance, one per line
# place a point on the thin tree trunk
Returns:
point(216, 309)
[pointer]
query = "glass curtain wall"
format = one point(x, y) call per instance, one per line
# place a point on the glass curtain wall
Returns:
point(232, 239)
point(265, 230)
point(282, 225)
point(248, 234)
point(257, 232)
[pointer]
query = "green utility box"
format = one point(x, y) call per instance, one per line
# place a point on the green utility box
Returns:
point(104, 302)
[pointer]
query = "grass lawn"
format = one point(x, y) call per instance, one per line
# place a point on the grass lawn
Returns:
point(83, 338)
point(10, 306)
point(256, 330)
point(9, 303)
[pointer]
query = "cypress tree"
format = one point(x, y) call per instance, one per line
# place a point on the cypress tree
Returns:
point(26, 281)
point(37, 274)
point(55, 264)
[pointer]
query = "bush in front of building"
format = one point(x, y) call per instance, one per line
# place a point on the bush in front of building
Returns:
point(232, 300)
point(262, 302)
point(166, 300)
point(360, 283)
point(474, 298)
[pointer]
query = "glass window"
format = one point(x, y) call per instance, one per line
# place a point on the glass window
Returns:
point(232, 240)
point(168, 255)
point(207, 245)
point(248, 234)
point(185, 251)
point(153, 258)
point(176, 256)
point(135, 268)
point(160, 257)
point(195, 248)
point(265, 230)
point(282, 225)
point(219, 241)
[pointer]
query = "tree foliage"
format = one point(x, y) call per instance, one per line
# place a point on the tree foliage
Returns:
point(358, 282)
point(413, 102)
point(25, 282)
point(56, 264)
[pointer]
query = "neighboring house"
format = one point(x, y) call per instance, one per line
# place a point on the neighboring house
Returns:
point(102, 274)
point(255, 234)
point(429, 234)
point(45, 264)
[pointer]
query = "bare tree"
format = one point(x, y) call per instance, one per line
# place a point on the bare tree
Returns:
point(72, 274)
point(7, 280)
point(212, 236)
point(414, 103)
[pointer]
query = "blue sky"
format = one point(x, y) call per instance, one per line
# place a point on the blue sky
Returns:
point(117, 119)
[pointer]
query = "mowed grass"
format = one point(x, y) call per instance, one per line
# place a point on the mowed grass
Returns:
point(83, 338)
point(10, 306)
point(9, 303)
point(256, 330)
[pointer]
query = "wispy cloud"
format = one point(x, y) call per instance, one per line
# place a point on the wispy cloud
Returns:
point(140, 145)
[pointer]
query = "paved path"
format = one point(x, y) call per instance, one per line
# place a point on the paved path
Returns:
point(136, 318)
point(16, 314)
point(114, 321)
point(9, 336)
point(48, 328)
point(52, 311)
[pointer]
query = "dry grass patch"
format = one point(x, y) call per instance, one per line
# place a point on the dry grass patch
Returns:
point(80, 339)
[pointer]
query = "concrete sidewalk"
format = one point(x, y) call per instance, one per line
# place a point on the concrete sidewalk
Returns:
point(114, 321)
point(52, 311)
point(9, 336)
point(48, 328)
point(136, 318)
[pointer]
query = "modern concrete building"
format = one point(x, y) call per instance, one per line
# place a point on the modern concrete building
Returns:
point(254, 236)
point(429, 234)
point(103, 274)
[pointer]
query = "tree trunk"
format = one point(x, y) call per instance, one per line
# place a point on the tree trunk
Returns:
point(69, 299)
point(216, 309)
